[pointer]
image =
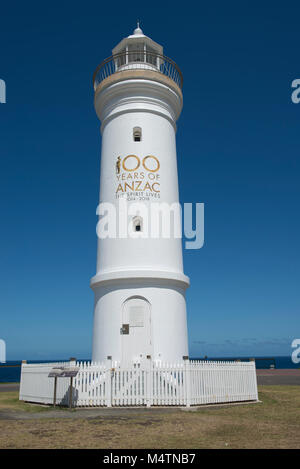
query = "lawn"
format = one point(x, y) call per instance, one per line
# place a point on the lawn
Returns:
point(273, 423)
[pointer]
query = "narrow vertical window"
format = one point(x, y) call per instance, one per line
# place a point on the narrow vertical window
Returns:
point(137, 134)
point(137, 224)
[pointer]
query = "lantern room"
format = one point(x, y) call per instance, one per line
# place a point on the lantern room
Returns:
point(137, 51)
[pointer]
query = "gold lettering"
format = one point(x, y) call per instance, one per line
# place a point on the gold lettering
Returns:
point(147, 186)
point(155, 183)
point(137, 164)
point(155, 159)
point(129, 187)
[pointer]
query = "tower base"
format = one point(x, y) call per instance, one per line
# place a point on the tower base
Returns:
point(136, 317)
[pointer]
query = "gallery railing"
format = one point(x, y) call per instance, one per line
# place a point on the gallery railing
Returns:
point(137, 60)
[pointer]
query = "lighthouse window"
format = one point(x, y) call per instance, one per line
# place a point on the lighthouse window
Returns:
point(137, 134)
point(151, 56)
point(121, 60)
point(136, 52)
point(137, 224)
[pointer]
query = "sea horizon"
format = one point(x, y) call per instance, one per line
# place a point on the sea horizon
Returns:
point(10, 371)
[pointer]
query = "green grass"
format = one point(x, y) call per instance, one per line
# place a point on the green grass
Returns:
point(10, 401)
point(273, 423)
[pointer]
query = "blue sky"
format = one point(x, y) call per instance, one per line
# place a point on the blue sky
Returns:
point(238, 152)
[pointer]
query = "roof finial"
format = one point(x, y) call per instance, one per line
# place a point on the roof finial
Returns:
point(138, 30)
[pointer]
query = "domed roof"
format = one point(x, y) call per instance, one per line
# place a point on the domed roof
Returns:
point(137, 31)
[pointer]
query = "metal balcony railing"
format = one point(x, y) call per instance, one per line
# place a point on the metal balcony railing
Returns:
point(137, 60)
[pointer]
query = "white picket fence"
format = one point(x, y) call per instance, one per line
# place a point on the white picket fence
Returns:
point(35, 386)
point(143, 384)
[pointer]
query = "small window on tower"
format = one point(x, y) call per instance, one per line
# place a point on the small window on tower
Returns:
point(137, 134)
point(137, 224)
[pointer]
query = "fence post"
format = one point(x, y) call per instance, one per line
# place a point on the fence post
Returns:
point(254, 377)
point(187, 380)
point(72, 364)
point(54, 391)
point(108, 379)
point(24, 362)
point(72, 361)
point(149, 381)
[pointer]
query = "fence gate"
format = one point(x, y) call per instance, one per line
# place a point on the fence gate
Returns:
point(129, 385)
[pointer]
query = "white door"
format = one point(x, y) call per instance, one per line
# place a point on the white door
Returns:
point(136, 329)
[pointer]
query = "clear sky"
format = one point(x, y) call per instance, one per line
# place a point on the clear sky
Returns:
point(238, 152)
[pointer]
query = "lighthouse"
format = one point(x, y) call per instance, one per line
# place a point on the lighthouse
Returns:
point(139, 286)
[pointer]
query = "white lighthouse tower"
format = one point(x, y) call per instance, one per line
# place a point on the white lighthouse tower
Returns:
point(140, 307)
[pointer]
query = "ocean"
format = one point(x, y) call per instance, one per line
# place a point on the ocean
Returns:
point(10, 371)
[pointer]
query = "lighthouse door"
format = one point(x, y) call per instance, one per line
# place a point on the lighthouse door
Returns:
point(136, 329)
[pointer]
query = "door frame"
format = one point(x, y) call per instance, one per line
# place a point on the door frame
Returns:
point(136, 297)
